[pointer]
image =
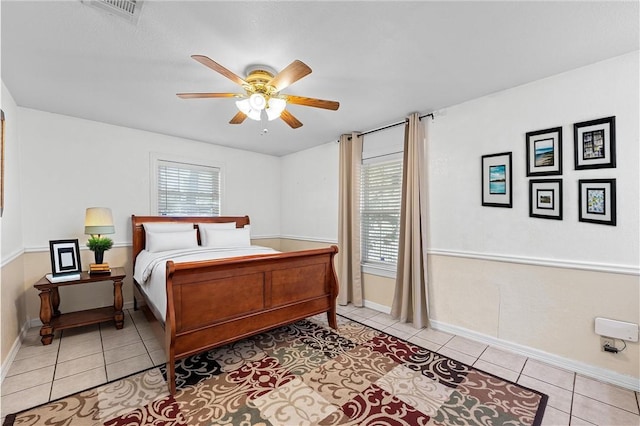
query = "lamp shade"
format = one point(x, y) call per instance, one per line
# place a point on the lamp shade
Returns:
point(98, 221)
point(257, 101)
point(245, 106)
point(276, 106)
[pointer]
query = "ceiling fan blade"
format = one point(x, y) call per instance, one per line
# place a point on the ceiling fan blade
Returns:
point(288, 118)
point(208, 95)
point(238, 118)
point(207, 62)
point(312, 102)
point(292, 73)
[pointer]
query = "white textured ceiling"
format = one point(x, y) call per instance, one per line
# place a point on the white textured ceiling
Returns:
point(380, 60)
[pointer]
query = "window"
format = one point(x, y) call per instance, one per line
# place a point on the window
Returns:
point(185, 189)
point(380, 200)
point(381, 194)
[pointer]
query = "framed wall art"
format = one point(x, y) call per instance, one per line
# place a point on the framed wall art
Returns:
point(65, 257)
point(496, 180)
point(2, 126)
point(545, 198)
point(595, 143)
point(544, 152)
point(597, 201)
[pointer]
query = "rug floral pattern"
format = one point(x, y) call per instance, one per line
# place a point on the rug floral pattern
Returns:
point(304, 374)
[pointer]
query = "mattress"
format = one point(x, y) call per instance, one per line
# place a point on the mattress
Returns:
point(150, 268)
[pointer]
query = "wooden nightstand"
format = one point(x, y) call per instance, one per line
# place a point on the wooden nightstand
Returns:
point(53, 320)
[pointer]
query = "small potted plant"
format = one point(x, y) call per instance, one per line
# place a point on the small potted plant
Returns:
point(98, 245)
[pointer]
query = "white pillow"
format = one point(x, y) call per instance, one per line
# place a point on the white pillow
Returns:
point(203, 226)
point(167, 226)
point(239, 237)
point(163, 241)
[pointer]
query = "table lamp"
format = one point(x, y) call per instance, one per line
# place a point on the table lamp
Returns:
point(98, 221)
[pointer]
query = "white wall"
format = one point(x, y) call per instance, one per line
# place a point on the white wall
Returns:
point(460, 135)
point(12, 300)
point(537, 284)
point(310, 194)
point(528, 284)
point(11, 220)
point(71, 164)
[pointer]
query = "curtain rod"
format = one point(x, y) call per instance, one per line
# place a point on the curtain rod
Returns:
point(420, 117)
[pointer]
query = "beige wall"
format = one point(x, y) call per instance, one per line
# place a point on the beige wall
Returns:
point(546, 308)
point(378, 290)
point(274, 243)
point(287, 244)
point(12, 303)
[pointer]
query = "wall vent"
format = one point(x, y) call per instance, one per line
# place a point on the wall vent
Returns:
point(127, 9)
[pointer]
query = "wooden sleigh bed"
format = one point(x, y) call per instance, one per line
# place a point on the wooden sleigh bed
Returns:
point(215, 302)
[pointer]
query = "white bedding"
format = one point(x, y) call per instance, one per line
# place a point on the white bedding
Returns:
point(150, 268)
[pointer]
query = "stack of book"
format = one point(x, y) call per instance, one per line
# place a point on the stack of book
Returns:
point(99, 268)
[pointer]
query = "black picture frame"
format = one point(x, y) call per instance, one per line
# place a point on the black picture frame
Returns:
point(595, 144)
point(597, 201)
point(65, 257)
point(545, 198)
point(544, 152)
point(496, 180)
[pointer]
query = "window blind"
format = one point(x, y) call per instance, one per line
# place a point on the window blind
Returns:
point(381, 195)
point(188, 189)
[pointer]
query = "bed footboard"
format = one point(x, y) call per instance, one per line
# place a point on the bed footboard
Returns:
point(212, 303)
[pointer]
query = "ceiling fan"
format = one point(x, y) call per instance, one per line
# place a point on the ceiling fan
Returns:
point(262, 88)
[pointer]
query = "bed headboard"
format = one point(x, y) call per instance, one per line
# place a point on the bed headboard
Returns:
point(138, 230)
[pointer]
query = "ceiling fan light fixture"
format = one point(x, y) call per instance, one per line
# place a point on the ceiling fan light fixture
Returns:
point(262, 87)
point(275, 108)
point(244, 106)
point(257, 101)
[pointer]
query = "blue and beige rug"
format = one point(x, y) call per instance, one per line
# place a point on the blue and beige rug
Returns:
point(304, 374)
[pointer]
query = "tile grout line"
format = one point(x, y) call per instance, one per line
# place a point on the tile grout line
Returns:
point(55, 365)
point(142, 340)
point(522, 369)
point(104, 357)
point(573, 396)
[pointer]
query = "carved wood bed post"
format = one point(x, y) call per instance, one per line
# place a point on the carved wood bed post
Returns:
point(170, 331)
point(335, 288)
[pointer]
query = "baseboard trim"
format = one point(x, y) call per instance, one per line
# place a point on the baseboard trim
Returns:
point(597, 373)
point(377, 307)
point(4, 369)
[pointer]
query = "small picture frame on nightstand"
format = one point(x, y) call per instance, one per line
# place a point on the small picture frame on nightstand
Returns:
point(65, 257)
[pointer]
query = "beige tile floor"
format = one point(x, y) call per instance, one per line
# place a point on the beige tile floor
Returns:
point(77, 359)
point(85, 357)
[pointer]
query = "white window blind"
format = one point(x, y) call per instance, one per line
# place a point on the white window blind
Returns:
point(187, 189)
point(381, 195)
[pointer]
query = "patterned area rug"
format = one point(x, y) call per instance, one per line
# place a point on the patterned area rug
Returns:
point(304, 374)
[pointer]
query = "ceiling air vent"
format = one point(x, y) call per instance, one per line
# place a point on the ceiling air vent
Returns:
point(127, 9)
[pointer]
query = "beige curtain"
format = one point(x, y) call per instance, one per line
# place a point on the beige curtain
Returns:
point(349, 220)
point(410, 301)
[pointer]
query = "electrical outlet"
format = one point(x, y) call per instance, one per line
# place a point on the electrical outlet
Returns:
point(606, 341)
